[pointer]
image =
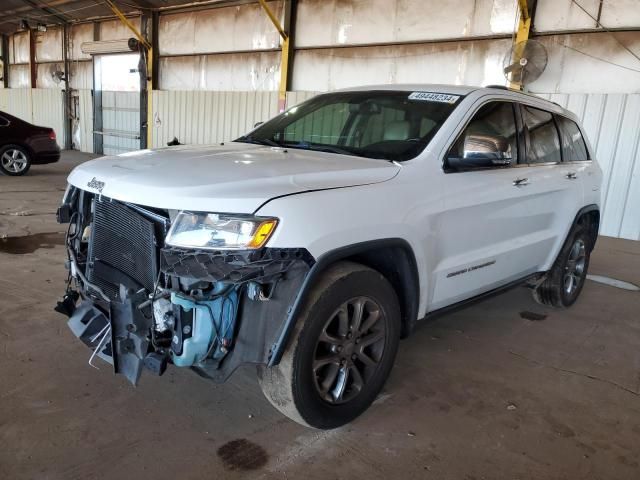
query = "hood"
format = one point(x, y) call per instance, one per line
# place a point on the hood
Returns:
point(234, 177)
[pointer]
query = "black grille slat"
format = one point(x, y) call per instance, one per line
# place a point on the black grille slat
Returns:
point(124, 240)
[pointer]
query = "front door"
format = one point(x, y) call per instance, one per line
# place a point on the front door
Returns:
point(485, 234)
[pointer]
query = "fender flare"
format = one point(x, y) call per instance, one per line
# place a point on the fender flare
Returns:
point(410, 298)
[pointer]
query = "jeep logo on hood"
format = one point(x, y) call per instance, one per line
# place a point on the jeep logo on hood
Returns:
point(96, 184)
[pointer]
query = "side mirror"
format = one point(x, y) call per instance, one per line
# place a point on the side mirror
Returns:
point(482, 151)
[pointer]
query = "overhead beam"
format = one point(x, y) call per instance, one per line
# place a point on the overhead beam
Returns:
point(48, 10)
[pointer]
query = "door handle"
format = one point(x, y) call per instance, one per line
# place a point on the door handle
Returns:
point(571, 176)
point(520, 182)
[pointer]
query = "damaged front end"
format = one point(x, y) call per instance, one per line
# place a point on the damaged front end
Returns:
point(137, 302)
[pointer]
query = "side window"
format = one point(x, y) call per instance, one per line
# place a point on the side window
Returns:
point(574, 148)
point(544, 142)
point(3, 122)
point(493, 128)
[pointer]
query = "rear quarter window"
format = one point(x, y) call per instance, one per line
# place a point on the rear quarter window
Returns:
point(574, 148)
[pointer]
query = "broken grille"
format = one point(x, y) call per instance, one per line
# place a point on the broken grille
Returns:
point(122, 248)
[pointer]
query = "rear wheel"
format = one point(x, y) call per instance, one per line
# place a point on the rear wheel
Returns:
point(565, 280)
point(14, 160)
point(343, 349)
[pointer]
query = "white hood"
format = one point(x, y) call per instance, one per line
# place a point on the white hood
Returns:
point(235, 177)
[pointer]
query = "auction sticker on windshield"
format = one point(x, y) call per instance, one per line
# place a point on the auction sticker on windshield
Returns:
point(434, 97)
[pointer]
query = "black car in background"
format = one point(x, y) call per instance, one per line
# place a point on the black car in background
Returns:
point(23, 144)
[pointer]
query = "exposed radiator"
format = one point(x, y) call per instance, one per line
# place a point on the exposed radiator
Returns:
point(122, 248)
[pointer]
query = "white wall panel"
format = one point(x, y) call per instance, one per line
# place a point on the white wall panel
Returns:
point(80, 34)
point(474, 63)
point(590, 63)
point(228, 72)
point(19, 76)
point(17, 102)
point(47, 108)
point(40, 106)
point(350, 22)
point(81, 75)
point(208, 117)
point(116, 30)
point(49, 45)
point(245, 27)
point(554, 15)
point(611, 124)
point(19, 48)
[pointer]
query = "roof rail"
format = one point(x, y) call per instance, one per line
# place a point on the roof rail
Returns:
point(502, 87)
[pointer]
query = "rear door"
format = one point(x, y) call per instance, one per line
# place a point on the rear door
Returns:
point(485, 231)
point(554, 186)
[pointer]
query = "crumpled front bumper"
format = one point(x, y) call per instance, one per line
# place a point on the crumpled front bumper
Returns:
point(119, 336)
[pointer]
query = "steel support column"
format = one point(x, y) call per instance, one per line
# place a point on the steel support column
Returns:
point(525, 23)
point(287, 48)
point(33, 69)
point(5, 61)
point(68, 109)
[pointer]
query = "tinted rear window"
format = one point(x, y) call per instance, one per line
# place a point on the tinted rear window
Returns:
point(574, 148)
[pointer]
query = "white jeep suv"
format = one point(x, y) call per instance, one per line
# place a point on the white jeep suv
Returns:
point(311, 245)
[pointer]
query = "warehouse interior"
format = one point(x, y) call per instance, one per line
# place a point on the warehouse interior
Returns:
point(504, 388)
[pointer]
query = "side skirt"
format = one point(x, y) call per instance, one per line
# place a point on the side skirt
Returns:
point(483, 296)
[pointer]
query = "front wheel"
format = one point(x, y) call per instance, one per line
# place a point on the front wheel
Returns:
point(344, 346)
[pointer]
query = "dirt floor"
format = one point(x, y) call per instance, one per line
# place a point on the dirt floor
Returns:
point(481, 393)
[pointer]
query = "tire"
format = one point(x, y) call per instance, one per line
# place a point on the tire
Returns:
point(307, 385)
point(565, 280)
point(14, 160)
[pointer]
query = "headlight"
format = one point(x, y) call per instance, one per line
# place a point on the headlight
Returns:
point(218, 231)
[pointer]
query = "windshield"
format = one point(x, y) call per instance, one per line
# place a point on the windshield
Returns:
point(387, 125)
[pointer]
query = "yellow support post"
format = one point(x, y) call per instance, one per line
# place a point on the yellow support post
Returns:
point(284, 62)
point(524, 26)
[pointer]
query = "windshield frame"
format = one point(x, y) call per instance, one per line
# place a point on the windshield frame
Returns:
point(409, 101)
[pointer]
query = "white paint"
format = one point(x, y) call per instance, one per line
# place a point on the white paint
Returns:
point(210, 178)
point(452, 221)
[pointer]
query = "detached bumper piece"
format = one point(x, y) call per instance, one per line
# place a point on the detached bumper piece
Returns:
point(121, 339)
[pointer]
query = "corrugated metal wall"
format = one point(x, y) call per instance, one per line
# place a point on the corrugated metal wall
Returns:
point(40, 106)
point(612, 124)
point(208, 117)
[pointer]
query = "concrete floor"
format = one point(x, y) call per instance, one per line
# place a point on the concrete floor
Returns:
point(481, 393)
